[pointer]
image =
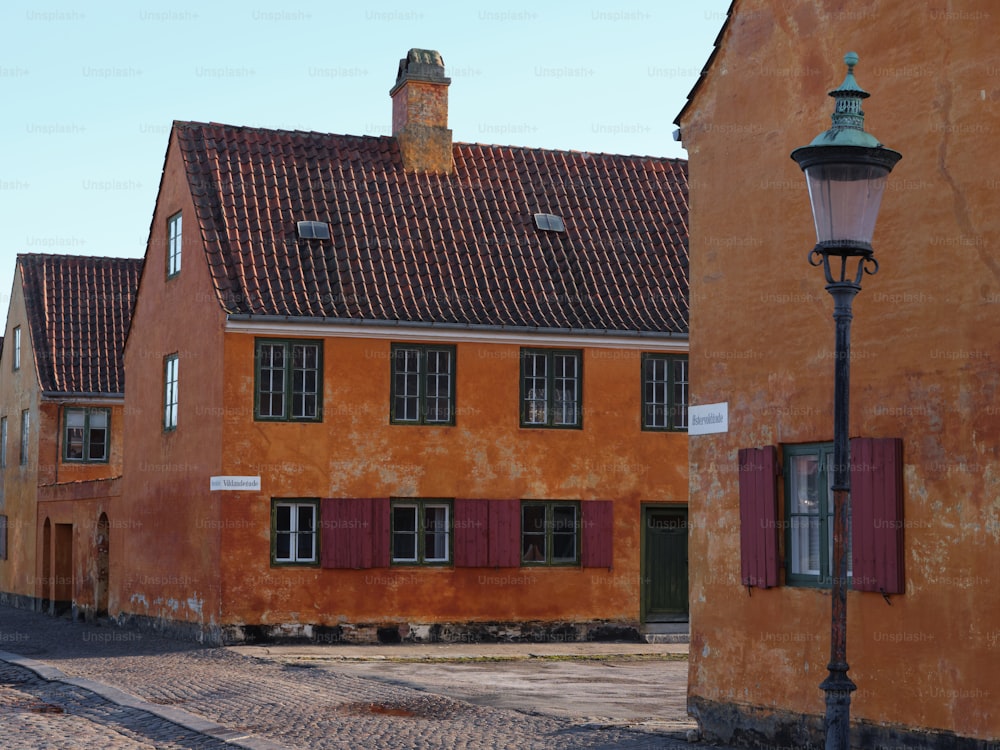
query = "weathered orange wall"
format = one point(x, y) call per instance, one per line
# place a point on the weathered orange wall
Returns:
point(926, 342)
point(355, 452)
point(80, 504)
point(166, 565)
point(77, 494)
point(18, 391)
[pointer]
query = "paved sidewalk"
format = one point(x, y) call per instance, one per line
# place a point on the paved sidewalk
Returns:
point(156, 691)
point(461, 651)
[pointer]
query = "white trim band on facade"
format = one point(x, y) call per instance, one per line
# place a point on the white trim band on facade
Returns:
point(651, 342)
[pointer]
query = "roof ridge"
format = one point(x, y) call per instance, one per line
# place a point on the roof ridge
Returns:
point(456, 144)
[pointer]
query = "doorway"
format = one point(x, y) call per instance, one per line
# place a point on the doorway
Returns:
point(665, 564)
point(102, 541)
point(62, 584)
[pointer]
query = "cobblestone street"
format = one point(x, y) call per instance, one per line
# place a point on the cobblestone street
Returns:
point(196, 697)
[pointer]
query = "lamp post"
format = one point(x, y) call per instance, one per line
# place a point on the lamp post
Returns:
point(846, 171)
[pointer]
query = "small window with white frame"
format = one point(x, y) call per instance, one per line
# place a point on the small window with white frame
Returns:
point(293, 532)
point(421, 532)
point(170, 383)
point(17, 347)
point(174, 232)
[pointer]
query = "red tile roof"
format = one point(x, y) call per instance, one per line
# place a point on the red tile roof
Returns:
point(78, 312)
point(432, 248)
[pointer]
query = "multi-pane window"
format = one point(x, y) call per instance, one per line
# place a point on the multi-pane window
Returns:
point(423, 384)
point(85, 436)
point(551, 388)
point(289, 380)
point(25, 430)
point(421, 531)
point(664, 392)
point(3, 442)
point(809, 507)
point(170, 392)
point(17, 348)
point(549, 533)
point(174, 245)
point(293, 531)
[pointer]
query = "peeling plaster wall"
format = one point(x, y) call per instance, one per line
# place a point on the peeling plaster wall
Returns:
point(355, 452)
point(166, 566)
point(926, 347)
point(18, 483)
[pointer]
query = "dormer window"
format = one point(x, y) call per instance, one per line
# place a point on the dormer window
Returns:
point(550, 223)
point(313, 230)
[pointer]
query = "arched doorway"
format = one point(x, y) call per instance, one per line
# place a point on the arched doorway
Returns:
point(46, 593)
point(102, 544)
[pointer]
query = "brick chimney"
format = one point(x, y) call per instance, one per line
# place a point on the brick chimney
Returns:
point(420, 113)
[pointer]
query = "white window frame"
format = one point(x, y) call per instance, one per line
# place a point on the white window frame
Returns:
point(25, 436)
point(420, 532)
point(170, 386)
point(175, 229)
point(294, 532)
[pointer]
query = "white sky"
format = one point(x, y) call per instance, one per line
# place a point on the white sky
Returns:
point(87, 95)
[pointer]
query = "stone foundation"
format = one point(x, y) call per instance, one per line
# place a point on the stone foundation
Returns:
point(387, 632)
point(758, 727)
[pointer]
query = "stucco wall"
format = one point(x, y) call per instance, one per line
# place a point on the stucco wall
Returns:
point(355, 452)
point(166, 565)
point(924, 361)
point(19, 391)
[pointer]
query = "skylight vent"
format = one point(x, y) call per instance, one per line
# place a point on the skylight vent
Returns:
point(314, 230)
point(549, 223)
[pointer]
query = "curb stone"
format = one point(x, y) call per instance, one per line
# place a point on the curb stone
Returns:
point(178, 716)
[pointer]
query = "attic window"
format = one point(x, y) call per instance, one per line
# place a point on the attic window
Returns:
point(314, 230)
point(549, 223)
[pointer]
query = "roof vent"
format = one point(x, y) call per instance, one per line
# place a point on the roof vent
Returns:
point(549, 223)
point(314, 230)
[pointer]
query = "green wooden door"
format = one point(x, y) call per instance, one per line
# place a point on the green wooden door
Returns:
point(665, 565)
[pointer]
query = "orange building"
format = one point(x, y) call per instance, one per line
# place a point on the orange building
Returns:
point(400, 388)
point(61, 430)
point(923, 626)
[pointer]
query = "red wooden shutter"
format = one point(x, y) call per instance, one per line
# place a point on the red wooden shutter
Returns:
point(380, 537)
point(471, 533)
point(505, 534)
point(355, 532)
point(598, 526)
point(759, 516)
point(877, 515)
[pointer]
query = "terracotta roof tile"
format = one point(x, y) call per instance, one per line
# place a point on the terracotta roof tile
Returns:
point(78, 311)
point(460, 248)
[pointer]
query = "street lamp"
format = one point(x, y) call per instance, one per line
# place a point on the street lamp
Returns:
point(846, 171)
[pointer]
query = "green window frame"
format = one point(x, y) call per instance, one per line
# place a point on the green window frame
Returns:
point(86, 435)
point(808, 479)
point(552, 388)
point(294, 531)
point(550, 532)
point(170, 383)
point(423, 384)
point(421, 531)
point(288, 377)
point(174, 243)
point(664, 392)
